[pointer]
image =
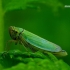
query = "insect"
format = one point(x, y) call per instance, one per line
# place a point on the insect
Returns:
point(34, 42)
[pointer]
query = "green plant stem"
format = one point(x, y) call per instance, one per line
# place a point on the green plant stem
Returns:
point(1, 27)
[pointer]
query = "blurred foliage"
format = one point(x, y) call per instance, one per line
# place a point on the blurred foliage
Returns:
point(46, 18)
point(23, 4)
point(17, 60)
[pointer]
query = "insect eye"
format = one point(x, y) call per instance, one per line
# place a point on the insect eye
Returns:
point(13, 32)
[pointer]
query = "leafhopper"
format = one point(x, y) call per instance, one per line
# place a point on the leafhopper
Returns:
point(35, 42)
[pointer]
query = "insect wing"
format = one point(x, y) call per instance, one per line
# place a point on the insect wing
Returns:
point(40, 42)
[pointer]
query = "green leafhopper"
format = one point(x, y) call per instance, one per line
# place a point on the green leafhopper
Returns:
point(34, 42)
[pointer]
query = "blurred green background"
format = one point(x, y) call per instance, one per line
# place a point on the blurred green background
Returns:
point(46, 18)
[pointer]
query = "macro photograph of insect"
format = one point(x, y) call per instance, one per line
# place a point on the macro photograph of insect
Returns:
point(34, 35)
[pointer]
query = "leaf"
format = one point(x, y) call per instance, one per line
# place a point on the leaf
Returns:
point(17, 60)
point(23, 4)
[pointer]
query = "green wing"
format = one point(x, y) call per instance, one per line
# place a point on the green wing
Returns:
point(39, 42)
